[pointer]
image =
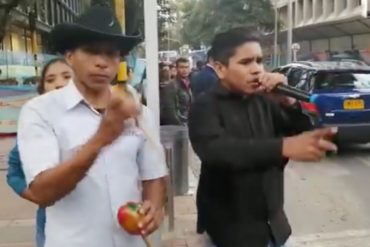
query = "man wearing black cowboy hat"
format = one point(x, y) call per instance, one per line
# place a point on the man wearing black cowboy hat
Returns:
point(82, 155)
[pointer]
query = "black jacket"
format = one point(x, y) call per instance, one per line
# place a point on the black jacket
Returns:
point(241, 188)
point(184, 99)
point(168, 104)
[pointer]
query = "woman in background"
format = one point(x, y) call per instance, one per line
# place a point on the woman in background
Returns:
point(55, 74)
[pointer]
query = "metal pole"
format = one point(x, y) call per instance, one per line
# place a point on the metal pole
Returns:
point(151, 51)
point(119, 7)
point(295, 56)
point(170, 188)
point(290, 31)
point(168, 38)
point(276, 36)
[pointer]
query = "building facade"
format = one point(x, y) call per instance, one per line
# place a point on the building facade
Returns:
point(47, 14)
point(326, 29)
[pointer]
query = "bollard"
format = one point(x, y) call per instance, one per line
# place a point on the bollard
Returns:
point(170, 193)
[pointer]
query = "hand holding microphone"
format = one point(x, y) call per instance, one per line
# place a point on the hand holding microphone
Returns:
point(310, 145)
point(270, 82)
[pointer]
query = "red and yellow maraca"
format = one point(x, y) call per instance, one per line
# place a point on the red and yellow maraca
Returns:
point(129, 217)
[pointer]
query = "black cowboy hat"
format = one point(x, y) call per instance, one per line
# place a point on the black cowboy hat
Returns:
point(98, 23)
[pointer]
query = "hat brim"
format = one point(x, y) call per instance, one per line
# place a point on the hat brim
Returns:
point(68, 36)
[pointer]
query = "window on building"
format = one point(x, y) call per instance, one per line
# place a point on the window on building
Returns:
point(294, 14)
point(50, 13)
point(78, 9)
point(345, 4)
point(66, 15)
point(330, 6)
point(63, 14)
point(42, 10)
point(56, 21)
point(319, 8)
point(74, 5)
point(309, 9)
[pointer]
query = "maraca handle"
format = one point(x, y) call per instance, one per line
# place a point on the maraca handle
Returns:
point(147, 242)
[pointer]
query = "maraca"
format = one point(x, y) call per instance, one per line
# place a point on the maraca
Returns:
point(129, 217)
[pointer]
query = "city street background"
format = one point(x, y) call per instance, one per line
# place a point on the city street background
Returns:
point(327, 203)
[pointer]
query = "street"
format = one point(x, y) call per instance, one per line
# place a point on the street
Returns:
point(327, 203)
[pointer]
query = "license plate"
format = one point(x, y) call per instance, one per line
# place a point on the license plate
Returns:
point(354, 104)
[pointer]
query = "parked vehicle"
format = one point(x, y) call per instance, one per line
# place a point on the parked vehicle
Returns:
point(342, 91)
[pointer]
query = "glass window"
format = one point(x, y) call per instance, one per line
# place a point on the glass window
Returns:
point(294, 76)
point(326, 80)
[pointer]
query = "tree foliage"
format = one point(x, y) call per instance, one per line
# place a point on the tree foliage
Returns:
point(205, 18)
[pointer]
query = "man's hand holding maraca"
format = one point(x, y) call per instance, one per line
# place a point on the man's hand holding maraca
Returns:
point(152, 218)
point(117, 111)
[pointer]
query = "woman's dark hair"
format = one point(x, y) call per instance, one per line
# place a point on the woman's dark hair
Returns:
point(225, 44)
point(41, 86)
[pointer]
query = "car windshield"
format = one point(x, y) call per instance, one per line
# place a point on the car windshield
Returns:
point(327, 80)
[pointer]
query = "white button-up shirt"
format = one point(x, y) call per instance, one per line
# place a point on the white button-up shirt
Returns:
point(52, 127)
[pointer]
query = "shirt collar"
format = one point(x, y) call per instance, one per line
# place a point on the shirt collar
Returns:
point(72, 97)
point(210, 66)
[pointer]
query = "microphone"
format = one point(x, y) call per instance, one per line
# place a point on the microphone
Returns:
point(292, 92)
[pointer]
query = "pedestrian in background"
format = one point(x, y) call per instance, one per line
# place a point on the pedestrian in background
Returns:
point(173, 71)
point(167, 97)
point(55, 74)
point(206, 79)
point(184, 95)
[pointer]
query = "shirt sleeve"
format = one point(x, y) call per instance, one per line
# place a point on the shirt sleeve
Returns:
point(38, 145)
point(151, 161)
point(15, 176)
point(290, 119)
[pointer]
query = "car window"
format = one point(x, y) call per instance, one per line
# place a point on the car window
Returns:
point(281, 70)
point(294, 76)
point(325, 80)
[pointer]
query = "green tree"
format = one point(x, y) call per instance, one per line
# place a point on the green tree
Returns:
point(205, 18)
point(167, 19)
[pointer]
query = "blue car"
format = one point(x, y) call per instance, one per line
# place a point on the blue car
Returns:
point(342, 95)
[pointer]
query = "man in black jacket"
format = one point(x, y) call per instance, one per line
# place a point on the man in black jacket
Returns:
point(244, 135)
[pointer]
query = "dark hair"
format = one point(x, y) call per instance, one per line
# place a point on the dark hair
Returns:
point(181, 60)
point(225, 44)
point(209, 54)
point(200, 64)
point(41, 86)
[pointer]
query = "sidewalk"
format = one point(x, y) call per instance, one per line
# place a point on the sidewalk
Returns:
point(184, 234)
point(17, 223)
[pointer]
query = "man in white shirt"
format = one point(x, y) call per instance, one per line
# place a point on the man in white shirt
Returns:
point(82, 154)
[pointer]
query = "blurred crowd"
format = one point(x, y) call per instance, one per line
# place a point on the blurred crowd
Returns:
point(179, 85)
